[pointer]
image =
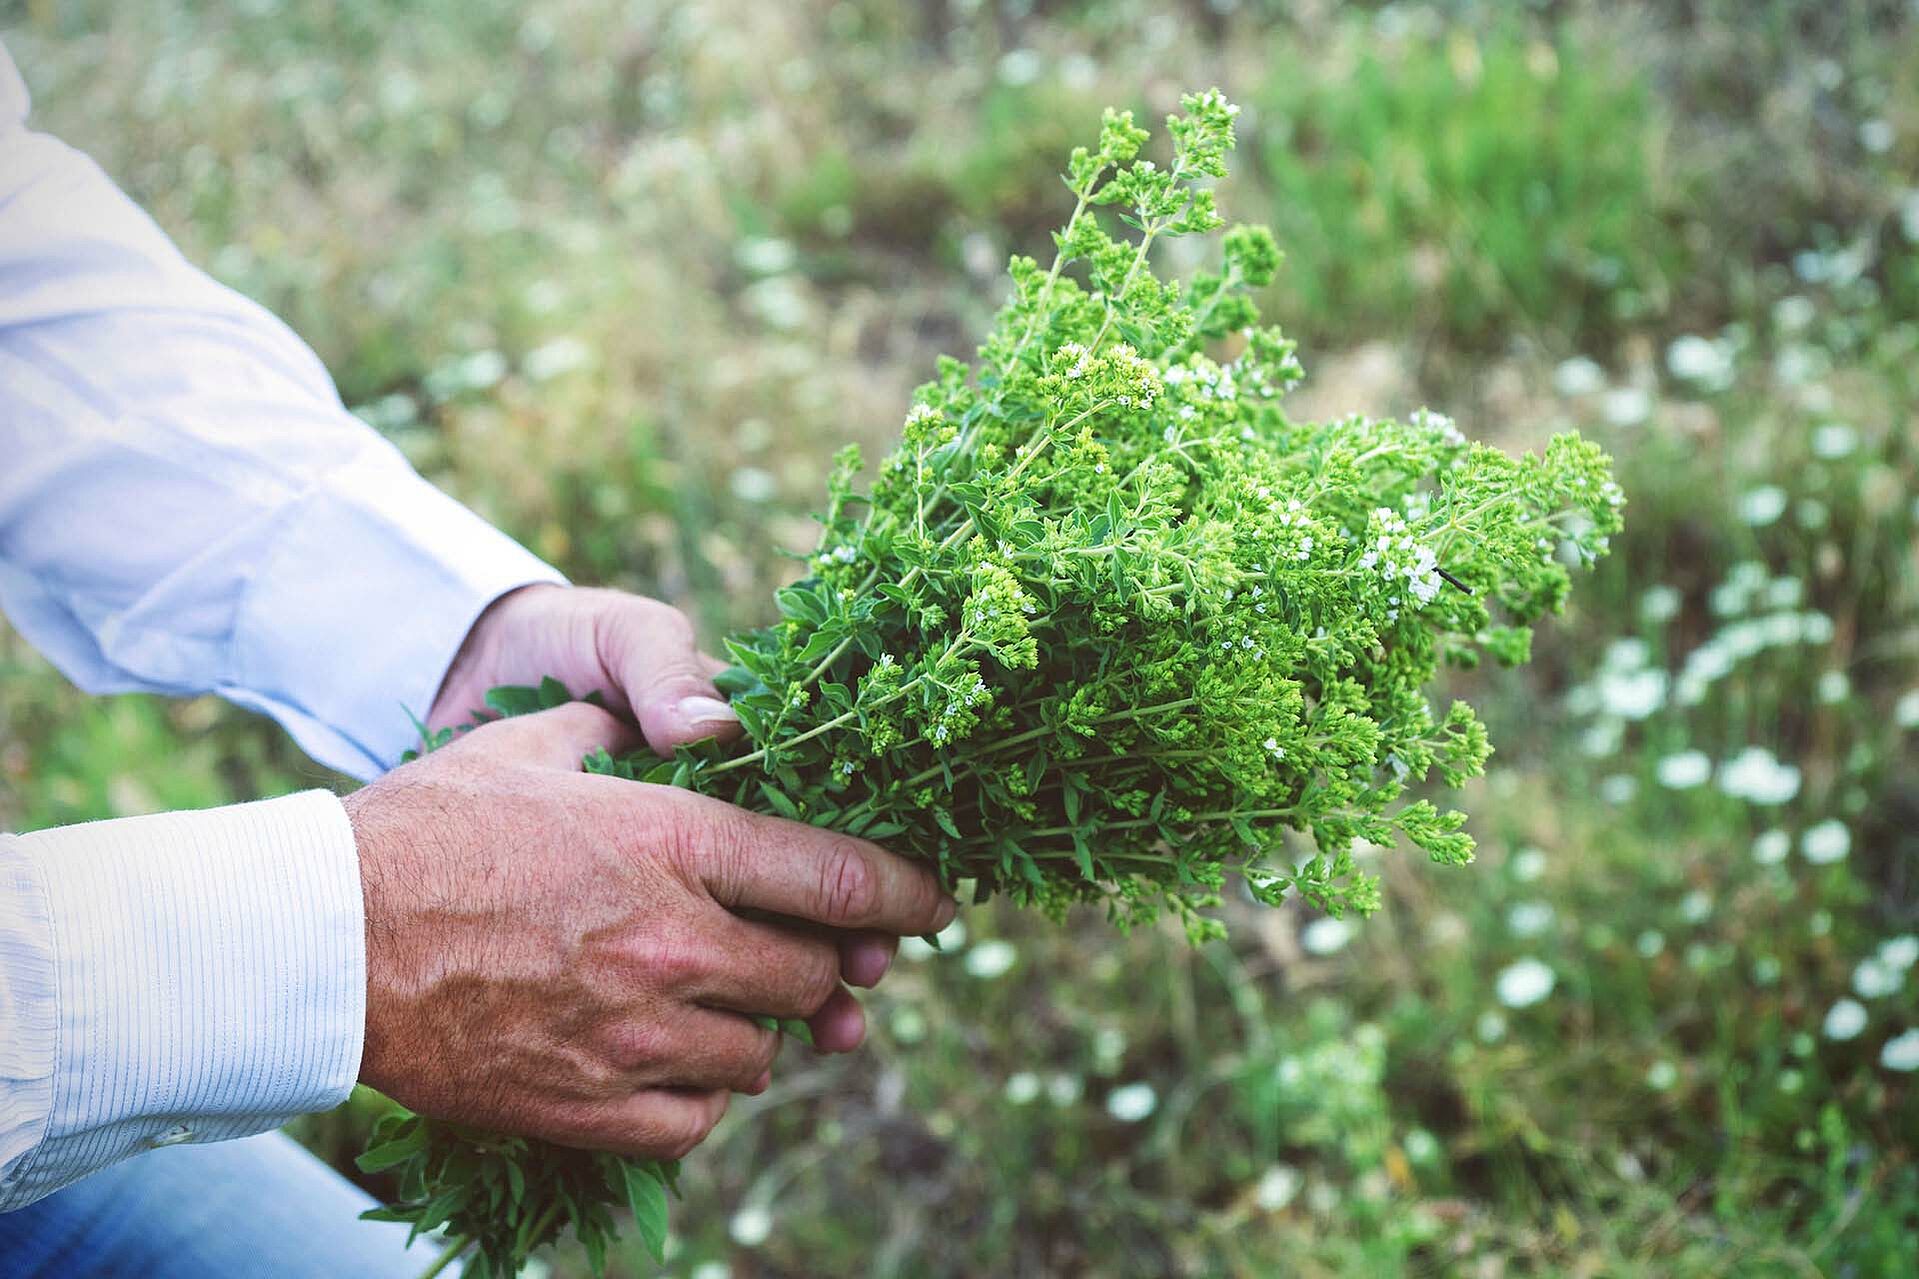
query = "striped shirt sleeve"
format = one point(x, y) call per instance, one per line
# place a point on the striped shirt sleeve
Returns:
point(182, 977)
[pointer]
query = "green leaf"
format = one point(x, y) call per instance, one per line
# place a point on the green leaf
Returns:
point(514, 699)
point(395, 1152)
point(781, 802)
point(516, 1181)
point(1083, 856)
point(646, 1196)
point(553, 693)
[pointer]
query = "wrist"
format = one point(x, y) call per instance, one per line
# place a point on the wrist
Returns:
point(476, 667)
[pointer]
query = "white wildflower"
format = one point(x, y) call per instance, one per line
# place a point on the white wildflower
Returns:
point(1901, 1053)
point(1684, 770)
point(1771, 847)
point(991, 958)
point(1763, 505)
point(1826, 843)
point(1131, 1103)
point(1756, 776)
point(1325, 936)
point(1524, 982)
point(1844, 1020)
point(1278, 1186)
point(1872, 979)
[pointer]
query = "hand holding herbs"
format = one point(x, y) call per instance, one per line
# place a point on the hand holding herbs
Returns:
point(1107, 627)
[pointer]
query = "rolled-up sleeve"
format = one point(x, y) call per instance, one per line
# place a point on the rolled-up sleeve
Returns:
point(185, 504)
point(182, 977)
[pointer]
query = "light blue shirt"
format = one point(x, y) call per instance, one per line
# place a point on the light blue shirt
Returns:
point(185, 507)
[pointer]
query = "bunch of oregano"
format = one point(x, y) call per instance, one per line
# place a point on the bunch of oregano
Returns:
point(1107, 625)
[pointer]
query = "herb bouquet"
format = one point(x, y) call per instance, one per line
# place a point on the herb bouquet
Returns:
point(1108, 625)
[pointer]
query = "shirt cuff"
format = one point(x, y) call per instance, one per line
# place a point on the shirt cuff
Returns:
point(354, 618)
point(208, 979)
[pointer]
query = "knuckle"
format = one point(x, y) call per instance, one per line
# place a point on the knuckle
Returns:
point(682, 1135)
point(818, 981)
point(769, 1051)
point(849, 886)
point(684, 835)
point(675, 962)
point(659, 619)
point(634, 1046)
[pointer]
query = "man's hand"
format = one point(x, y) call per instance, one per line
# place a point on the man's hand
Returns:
point(637, 654)
point(558, 954)
point(640, 656)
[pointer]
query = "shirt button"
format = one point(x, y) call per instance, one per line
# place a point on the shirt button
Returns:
point(171, 1137)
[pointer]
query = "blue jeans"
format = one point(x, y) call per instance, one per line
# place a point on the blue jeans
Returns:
point(226, 1210)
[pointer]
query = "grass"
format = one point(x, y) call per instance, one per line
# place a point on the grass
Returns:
point(623, 276)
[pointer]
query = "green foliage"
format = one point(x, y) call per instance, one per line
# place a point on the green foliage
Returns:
point(1511, 181)
point(1109, 622)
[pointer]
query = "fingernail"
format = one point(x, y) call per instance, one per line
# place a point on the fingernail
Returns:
point(944, 915)
point(706, 710)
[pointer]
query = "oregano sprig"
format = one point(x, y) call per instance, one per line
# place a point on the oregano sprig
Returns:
point(1107, 626)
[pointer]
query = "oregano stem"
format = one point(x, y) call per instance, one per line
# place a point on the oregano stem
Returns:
point(447, 1256)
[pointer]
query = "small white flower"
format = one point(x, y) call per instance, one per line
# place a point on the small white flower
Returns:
point(1661, 1075)
point(1022, 1088)
point(1901, 1052)
point(1834, 440)
point(1826, 843)
point(1755, 775)
point(1618, 788)
point(1660, 603)
point(1899, 953)
point(1528, 865)
point(1524, 982)
point(1578, 377)
point(1131, 1103)
point(1696, 906)
point(1905, 711)
point(1771, 847)
point(750, 1226)
point(1278, 1186)
point(1875, 979)
point(1634, 695)
point(991, 958)
point(1684, 770)
point(1763, 505)
point(1650, 943)
point(1844, 1020)
point(1325, 936)
point(1833, 687)
point(1699, 360)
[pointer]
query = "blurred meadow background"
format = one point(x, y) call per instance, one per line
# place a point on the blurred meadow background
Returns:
point(623, 275)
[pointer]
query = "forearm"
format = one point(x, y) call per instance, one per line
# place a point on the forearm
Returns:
point(184, 977)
